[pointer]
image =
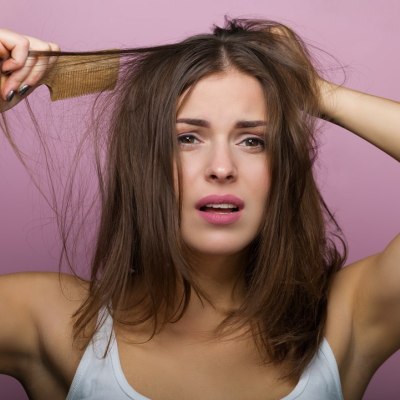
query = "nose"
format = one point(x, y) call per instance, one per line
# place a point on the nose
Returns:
point(221, 166)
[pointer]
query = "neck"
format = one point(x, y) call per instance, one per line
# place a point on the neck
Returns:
point(221, 279)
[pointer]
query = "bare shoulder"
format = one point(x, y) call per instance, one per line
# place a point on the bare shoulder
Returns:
point(354, 373)
point(37, 308)
point(363, 324)
point(54, 294)
point(44, 294)
point(341, 308)
point(54, 300)
point(59, 297)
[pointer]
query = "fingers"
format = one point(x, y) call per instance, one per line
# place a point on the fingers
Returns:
point(20, 72)
point(14, 81)
point(13, 50)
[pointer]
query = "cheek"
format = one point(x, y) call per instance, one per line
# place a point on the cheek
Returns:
point(260, 189)
point(258, 176)
point(188, 172)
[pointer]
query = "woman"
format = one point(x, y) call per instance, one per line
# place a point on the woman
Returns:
point(209, 186)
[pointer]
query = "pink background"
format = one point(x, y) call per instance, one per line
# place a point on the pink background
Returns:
point(360, 183)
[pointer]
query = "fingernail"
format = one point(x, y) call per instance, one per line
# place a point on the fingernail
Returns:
point(23, 89)
point(10, 95)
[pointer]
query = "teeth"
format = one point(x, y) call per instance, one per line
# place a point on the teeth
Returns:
point(220, 206)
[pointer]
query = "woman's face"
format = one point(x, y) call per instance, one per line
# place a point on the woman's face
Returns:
point(225, 174)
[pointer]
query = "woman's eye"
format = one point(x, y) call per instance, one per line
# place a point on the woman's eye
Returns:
point(253, 143)
point(187, 139)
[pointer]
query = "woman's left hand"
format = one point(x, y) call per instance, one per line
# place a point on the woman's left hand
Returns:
point(373, 118)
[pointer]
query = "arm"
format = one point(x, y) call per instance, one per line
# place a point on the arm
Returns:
point(36, 306)
point(20, 294)
point(376, 289)
point(372, 118)
point(18, 336)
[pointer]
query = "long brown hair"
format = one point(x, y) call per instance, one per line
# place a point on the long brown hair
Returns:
point(292, 260)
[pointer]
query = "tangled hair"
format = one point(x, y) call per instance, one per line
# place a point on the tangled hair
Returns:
point(139, 246)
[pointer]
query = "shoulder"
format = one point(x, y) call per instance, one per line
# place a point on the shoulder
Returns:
point(374, 286)
point(59, 297)
point(54, 298)
point(363, 323)
point(40, 296)
point(44, 294)
point(368, 293)
point(36, 309)
point(54, 293)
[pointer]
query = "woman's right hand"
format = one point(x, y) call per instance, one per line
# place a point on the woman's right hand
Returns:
point(19, 72)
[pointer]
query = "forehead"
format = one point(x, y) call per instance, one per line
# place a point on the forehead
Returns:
point(229, 94)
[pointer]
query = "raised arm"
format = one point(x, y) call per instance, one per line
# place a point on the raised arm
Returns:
point(377, 278)
point(27, 300)
point(373, 118)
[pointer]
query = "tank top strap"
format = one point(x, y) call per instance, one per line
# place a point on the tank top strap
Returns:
point(86, 382)
point(104, 335)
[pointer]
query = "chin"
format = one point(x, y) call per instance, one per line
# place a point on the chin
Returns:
point(217, 247)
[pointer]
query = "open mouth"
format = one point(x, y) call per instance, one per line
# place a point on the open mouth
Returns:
point(220, 208)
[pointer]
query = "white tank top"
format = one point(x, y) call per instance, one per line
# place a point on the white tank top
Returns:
point(98, 378)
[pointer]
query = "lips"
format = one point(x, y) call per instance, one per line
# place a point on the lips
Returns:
point(223, 203)
point(219, 210)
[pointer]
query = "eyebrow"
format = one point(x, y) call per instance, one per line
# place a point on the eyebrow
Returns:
point(205, 124)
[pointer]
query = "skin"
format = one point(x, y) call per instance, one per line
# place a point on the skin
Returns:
point(363, 324)
point(222, 159)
